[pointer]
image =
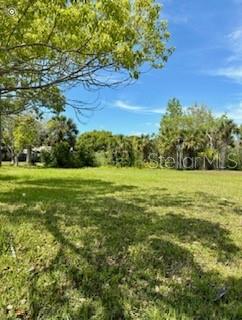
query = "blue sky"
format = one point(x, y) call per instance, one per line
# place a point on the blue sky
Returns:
point(205, 68)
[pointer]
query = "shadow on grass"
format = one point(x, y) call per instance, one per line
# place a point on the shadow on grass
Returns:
point(7, 178)
point(117, 260)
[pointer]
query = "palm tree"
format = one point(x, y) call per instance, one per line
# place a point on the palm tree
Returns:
point(226, 133)
point(61, 129)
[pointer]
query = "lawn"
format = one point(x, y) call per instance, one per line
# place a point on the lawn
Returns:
point(111, 243)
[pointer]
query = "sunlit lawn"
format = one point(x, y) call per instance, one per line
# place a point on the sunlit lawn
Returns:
point(120, 244)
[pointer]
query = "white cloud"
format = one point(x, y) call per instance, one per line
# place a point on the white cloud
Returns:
point(123, 105)
point(126, 106)
point(235, 112)
point(157, 110)
point(235, 45)
point(234, 73)
point(236, 34)
point(233, 65)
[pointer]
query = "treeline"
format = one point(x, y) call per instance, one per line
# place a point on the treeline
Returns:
point(56, 143)
point(195, 138)
point(189, 138)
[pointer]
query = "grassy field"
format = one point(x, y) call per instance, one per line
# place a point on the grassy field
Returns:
point(120, 244)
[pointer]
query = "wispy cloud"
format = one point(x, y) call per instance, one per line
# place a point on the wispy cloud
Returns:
point(233, 73)
point(235, 45)
point(232, 68)
point(235, 112)
point(235, 35)
point(124, 105)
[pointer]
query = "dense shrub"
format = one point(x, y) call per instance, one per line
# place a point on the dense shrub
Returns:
point(59, 156)
point(121, 153)
point(46, 158)
point(101, 158)
point(85, 157)
point(62, 156)
point(117, 150)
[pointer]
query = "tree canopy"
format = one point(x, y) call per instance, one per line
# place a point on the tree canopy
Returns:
point(45, 43)
point(61, 129)
point(195, 131)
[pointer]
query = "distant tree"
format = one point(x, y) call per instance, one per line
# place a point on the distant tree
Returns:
point(61, 129)
point(96, 141)
point(144, 146)
point(25, 135)
point(93, 147)
point(8, 137)
point(198, 130)
point(118, 150)
point(121, 152)
point(35, 101)
point(195, 132)
point(227, 129)
point(170, 133)
point(61, 133)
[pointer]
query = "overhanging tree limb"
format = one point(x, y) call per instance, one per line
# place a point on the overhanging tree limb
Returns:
point(58, 42)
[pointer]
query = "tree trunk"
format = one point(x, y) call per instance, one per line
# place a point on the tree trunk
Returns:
point(16, 160)
point(11, 152)
point(179, 157)
point(12, 157)
point(29, 156)
point(204, 163)
point(1, 129)
point(223, 157)
point(1, 136)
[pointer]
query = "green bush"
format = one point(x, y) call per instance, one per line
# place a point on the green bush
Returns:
point(85, 156)
point(60, 156)
point(46, 157)
point(101, 159)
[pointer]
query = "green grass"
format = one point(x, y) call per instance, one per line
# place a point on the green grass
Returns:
point(120, 244)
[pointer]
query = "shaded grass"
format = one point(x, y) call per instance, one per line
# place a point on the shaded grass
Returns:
point(120, 244)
